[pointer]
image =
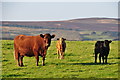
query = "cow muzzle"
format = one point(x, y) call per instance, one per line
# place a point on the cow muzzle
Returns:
point(47, 45)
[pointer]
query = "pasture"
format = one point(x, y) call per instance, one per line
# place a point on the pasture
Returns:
point(78, 62)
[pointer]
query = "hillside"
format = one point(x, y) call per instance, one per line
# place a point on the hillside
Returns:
point(76, 29)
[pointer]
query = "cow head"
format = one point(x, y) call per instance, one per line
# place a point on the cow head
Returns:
point(47, 38)
point(101, 44)
point(61, 39)
point(98, 44)
point(106, 42)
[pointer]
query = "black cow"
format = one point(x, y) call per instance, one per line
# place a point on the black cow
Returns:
point(103, 48)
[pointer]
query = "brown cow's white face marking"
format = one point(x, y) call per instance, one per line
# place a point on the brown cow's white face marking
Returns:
point(61, 40)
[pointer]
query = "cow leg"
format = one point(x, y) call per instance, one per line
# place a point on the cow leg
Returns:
point(100, 58)
point(37, 60)
point(58, 53)
point(106, 59)
point(21, 61)
point(95, 57)
point(62, 55)
point(43, 61)
point(18, 60)
point(103, 58)
point(36, 56)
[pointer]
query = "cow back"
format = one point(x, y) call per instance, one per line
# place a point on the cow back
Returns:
point(27, 44)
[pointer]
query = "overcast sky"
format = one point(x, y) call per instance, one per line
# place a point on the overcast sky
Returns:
point(60, 0)
point(55, 11)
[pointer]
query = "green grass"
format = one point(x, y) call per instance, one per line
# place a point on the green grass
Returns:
point(78, 62)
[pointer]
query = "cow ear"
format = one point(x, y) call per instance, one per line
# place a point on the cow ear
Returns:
point(57, 38)
point(110, 41)
point(41, 35)
point(64, 39)
point(53, 36)
point(106, 41)
point(102, 41)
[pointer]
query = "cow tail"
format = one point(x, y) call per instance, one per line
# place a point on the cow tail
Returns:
point(14, 50)
point(14, 54)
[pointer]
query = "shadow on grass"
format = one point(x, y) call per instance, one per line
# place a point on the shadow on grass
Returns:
point(5, 60)
point(19, 68)
point(114, 58)
point(83, 63)
point(110, 57)
point(93, 63)
point(12, 75)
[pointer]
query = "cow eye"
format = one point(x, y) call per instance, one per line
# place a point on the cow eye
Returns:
point(44, 40)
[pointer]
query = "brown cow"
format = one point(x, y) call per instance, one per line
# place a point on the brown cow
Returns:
point(61, 45)
point(31, 46)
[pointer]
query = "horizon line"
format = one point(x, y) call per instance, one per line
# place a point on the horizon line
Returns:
point(66, 19)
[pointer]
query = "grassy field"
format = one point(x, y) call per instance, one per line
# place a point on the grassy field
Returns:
point(78, 62)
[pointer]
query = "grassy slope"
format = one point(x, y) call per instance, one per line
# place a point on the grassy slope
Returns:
point(78, 62)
